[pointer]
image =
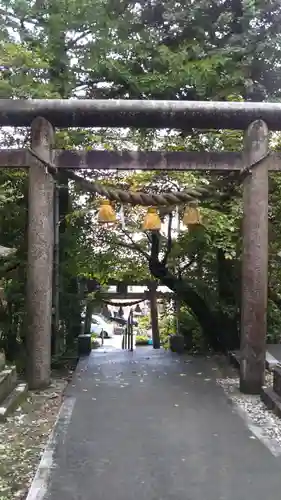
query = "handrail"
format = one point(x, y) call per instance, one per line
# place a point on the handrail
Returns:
point(128, 336)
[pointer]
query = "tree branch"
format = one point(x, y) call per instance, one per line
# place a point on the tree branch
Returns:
point(10, 266)
point(148, 236)
point(188, 265)
point(132, 247)
point(155, 243)
point(135, 245)
point(73, 42)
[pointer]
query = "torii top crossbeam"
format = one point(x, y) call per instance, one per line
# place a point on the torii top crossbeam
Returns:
point(140, 113)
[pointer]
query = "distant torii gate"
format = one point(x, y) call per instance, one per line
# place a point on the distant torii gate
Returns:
point(44, 115)
point(151, 295)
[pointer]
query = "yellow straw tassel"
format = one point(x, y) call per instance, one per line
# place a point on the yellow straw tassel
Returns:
point(191, 216)
point(151, 221)
point(106, 213)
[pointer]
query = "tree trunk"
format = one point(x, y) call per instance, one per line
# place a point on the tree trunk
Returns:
point(64, 209)
point(218, 330)
point(154, 315)
point(59, 79)
point(56, 278)
point(74, 323)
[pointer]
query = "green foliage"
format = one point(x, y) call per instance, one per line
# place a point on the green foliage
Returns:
point(189, 328)
point(167, 327)
point(94, 341)
point(142, 339)
point(144, 322)
point(273, 323)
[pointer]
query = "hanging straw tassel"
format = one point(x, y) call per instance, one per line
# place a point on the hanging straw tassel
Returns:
point(151, 221)
point(106, 213)
point(191, 216)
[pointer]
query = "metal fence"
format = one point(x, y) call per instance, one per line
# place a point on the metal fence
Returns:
point(128, 336)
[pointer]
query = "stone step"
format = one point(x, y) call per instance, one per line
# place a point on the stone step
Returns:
point(2, 361)
point(12, 401)
point(270, 361)
point(8, 380)
point(277, 379)
point(271, 400)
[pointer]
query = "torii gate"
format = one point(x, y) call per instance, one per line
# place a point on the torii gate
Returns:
point(43, 115)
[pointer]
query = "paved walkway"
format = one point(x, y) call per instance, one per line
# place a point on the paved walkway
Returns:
point(149, 425)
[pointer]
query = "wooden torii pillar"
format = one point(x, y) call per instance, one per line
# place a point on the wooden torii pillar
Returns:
point(40, 257)
point(254, 260)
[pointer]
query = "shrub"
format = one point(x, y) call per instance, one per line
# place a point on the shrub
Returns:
point(167, 327)
point(142, 339)
point(190, 329)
